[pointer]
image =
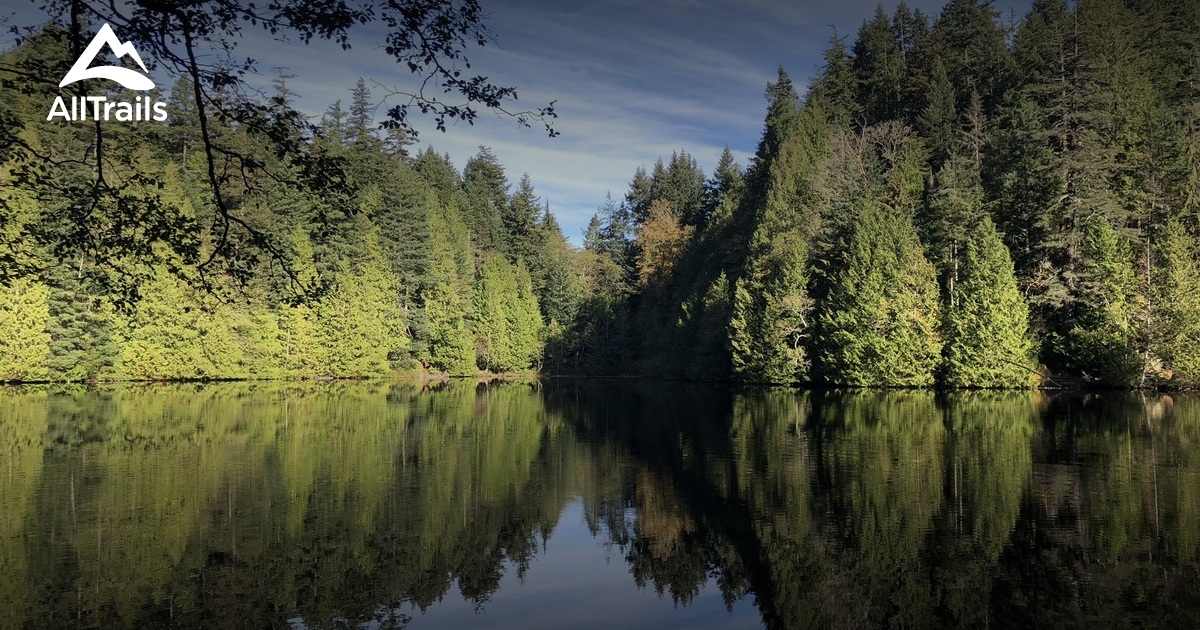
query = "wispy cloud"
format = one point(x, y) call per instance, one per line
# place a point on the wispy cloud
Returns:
point(633, 81)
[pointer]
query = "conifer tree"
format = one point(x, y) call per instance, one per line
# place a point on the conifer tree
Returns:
point(176, 333)
point(987, 322)
point(24, 340)
point(495, 289)
point(835, 89)
point(1176, 322)
point(446, 294)
point(360, 319)
point(525, 321)
point(954, 209)
point(769, 325)
point(302, 354)
point(879, 323)
point(722, 190)
point(486, 189)
point(939, 120)
point(1102, 341)
point(879, 65)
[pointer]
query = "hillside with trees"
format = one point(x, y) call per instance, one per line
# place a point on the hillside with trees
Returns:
point(954, 200)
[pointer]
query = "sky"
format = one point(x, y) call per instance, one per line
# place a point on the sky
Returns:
point(632, 81)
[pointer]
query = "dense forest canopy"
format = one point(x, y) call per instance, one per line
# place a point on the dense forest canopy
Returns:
point(953, 200)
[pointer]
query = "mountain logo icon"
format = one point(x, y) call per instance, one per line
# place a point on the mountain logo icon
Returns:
point(130, 79)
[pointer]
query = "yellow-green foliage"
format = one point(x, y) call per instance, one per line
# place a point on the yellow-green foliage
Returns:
point(880, 322)
point(176, 332)
point(1177, 301)
point(987, 322)
point(24, 341)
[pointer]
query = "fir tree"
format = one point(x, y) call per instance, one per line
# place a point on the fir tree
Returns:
point(939, 119)
point(176, 333)
point(360, 325)
point(835, 89)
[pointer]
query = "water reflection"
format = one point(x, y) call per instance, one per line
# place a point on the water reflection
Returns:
point(341, 504)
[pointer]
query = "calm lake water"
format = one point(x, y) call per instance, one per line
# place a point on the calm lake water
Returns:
point(579, 503)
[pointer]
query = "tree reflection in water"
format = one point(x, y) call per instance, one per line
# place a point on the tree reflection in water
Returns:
point(345, 503)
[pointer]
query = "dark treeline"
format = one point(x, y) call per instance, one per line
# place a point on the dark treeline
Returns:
point(955, 201)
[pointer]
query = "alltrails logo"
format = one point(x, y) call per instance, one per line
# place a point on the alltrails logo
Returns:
point(99, 107)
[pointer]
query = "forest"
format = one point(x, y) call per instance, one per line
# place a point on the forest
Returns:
point(958, 200)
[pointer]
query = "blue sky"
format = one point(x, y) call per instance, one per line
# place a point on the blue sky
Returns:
point(633, 80)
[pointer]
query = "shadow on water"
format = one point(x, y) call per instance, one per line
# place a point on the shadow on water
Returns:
point(372, 503)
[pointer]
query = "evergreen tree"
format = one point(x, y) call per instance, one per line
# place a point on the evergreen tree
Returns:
point(770, 322)
point(835, 89)
point(562, 294)
point(987, 322)
point(975, 53)
point(879, 323)
point(507, 322)
point(722, 190)
point(939, 120)
point(24, 340)
point(525, 321)
point(486, 189)
point(879, 65)
point(495, 289)
point(954, 210)
point(1102, 341)
point(360, 319)
point(521, 219)
point(1175, 329)
point(446, 294)
point(176, 333)
point(302, 353)
point(681, 184)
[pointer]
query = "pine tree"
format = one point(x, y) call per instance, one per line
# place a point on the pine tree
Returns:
point(987, 322)
point(24, 340)
point(879, 323)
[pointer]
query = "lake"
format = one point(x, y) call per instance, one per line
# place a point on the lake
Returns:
point(594, 503)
